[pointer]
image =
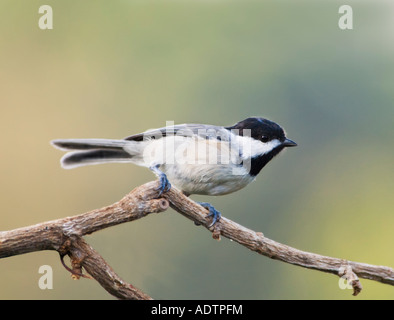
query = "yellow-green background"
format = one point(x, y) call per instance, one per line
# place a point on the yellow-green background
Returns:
point(109, 69)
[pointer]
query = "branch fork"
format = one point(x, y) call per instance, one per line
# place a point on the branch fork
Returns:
point(346, 272)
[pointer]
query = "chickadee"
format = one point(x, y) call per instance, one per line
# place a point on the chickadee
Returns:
point(196, 158)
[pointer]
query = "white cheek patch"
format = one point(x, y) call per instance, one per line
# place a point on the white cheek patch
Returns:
point(251, 148)
point(266, 147)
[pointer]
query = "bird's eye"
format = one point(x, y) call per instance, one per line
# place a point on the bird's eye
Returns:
point(264, 138)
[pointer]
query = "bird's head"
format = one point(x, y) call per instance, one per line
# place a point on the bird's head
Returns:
point(269, 139)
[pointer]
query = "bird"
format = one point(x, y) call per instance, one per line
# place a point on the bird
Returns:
point(195, 158)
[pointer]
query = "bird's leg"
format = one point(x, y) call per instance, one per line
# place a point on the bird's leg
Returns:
point(212, 212)
point(165, 185)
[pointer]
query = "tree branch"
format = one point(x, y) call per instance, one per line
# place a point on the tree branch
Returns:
point(83, 255)
point(256, 241)
point(65, 236)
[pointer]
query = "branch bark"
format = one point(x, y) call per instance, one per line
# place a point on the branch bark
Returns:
point(256, 241)
point(66, 237)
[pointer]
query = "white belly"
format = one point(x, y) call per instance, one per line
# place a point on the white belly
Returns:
point(209, 179)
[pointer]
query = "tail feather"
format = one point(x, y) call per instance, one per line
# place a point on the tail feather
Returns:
point(95, 151)
point(83, 158)
point(88, 144)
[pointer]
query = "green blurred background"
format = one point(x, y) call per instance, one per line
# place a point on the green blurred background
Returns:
point(109, 69)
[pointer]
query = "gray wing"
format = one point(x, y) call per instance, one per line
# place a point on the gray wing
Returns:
point(185, 130)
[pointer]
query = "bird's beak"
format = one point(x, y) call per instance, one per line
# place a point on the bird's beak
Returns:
point(289, 143)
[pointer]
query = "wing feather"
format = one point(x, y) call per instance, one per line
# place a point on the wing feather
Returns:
point(184, 130)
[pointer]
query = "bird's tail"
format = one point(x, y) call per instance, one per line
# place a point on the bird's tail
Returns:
point(84, 152)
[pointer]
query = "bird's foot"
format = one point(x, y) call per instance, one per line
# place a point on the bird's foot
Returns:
point(216, 215)
point(164, 185)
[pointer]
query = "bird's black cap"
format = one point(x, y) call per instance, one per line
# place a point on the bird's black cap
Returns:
point(260, 129)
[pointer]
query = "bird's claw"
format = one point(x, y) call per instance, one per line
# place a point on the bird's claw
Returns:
point(216, 215)
point(165, 185)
